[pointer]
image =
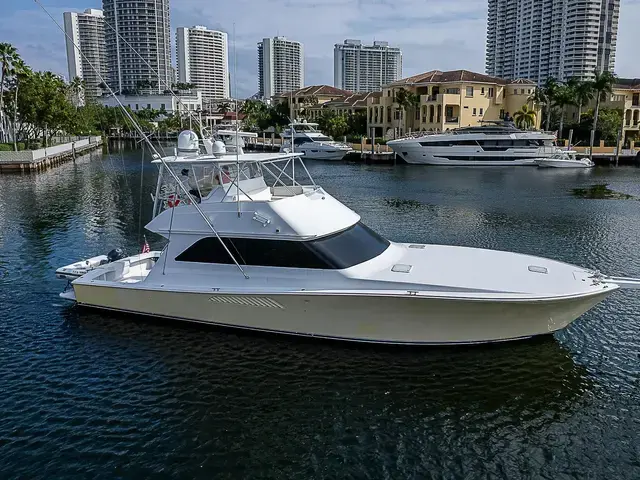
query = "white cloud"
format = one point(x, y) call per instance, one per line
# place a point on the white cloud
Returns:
point(433, 34)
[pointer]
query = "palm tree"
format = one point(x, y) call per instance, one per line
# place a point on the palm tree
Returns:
point(407, 101)
point(76, 88)
point(582, 93)
point(224, 108)
point(19, 70)
point(8, 55)
point(549, 89)
point(602, 86)
point(525, 118)
point(563, 96)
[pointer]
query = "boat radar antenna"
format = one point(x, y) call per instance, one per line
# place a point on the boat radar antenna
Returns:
point(145, 138)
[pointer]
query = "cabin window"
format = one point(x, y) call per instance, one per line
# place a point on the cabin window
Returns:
point(345, 249)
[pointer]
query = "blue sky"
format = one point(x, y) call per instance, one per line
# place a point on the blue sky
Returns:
point(433, 34)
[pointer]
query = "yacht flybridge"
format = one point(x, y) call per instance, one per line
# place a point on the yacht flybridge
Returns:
point(254, 243)
point(490, 144)
point(311, 142)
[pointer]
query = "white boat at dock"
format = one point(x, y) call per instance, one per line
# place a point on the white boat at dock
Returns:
point(311, 142)
point(490, 144)
point(254, 243)
point(564, 159)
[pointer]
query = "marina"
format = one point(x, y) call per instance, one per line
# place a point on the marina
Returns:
point(399, 275)
point(109, 373)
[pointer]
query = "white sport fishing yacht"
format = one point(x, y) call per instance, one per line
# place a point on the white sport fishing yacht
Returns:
point(311, 142)
point(254, 243)
point(491, 144)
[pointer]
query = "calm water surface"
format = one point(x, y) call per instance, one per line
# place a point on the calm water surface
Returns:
point(100, 395)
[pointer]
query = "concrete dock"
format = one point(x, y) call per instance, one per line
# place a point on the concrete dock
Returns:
point(37, 160)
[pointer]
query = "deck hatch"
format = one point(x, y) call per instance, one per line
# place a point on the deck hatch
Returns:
point(400, 268)
point(536, 269)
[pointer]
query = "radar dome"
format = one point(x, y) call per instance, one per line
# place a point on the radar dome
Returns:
point(188, 142)
point(218, 148)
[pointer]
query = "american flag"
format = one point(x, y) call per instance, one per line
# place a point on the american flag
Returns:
point(145, 247)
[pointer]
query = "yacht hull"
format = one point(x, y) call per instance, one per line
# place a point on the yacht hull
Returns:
point(424, 157)
point(406, 320)
point(555, 163)
point(334, 155)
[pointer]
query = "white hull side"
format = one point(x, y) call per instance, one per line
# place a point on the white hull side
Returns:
point(322, 155)
point(422, 157)
point(552, 163)
point(378, 319)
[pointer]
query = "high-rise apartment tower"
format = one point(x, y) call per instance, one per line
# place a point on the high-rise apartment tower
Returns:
point(86, 32)
point(365, 68)
point(138, 39)
point(280, 66)
point(537, 39)
point(203, 60)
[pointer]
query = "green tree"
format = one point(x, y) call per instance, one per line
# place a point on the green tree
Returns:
point(563, 95)
point(408, 101)
point(602, 86)
point(525, 118)
point(609, 121)
point(18, 71)
point(357, 123)
point(76, 90)
point(8, 56)
point(224, 108)
point(549, 89)
point(582, 92)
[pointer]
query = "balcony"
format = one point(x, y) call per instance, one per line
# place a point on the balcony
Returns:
point(428, 98)
point(451, 120)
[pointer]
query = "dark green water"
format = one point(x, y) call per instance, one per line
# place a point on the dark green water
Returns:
point(93, 395)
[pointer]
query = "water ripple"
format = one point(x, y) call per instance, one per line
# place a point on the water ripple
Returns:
point(111, 396)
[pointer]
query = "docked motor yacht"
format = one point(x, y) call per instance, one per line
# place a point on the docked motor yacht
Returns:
point(254, 243)
point(490, 144)
point(564, 159)
point(311, 142)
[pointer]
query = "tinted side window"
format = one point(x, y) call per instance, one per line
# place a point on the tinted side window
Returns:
point(341, 250)
point(250, 251)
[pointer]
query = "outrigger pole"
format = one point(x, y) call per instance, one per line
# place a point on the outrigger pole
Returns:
point(146, 139)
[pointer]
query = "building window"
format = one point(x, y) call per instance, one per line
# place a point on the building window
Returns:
point(137, 107)
point(163, 106)
point(482, 91)
point(149, 106)
point(491, 92)
point(501, 114)
point(481, 111)
point(474, 112)
point(469, 91)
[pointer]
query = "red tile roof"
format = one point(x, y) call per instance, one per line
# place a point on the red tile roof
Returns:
point(437, 76)
point(316, 90)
